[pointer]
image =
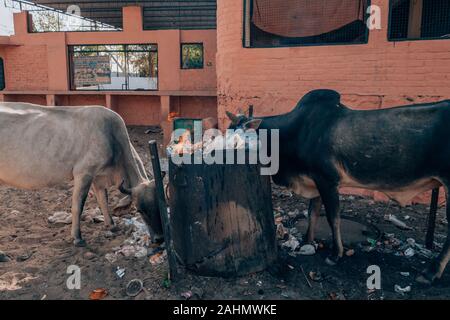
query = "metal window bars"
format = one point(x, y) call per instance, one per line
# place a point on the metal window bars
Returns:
point(48, 19)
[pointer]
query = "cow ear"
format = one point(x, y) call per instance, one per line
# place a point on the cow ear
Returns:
point(253, 124)
point(232, 117)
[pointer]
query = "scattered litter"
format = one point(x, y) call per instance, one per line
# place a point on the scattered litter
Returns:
point(93, 216)
point(396, 222)
point(259, 283)
point(401, 290)
point(404, 274)
point(315, 276)
point(11, 281)
point(411, 242)
point(294, 231)
point(89, 255)
point(98, 294)
point(293, 214)
point(141, 252)
point(4, 257)
point(307, 250)
point(120, 272)
point(109, 234)
point(44, 297)
point(134, 287)
point(350, 252)
point(336, 296)
point(158, 257)
point(306, 213)
point(166, 283)
point(409, 252)
point(232, 140)
point(407, 217)
point(135, 246)
point(60, 217)
point(424, 252)
point(111, 257)
point(187, 295)
point(306, 278)
point(127, 251)
point(290, 267)
point(197, 292)
point(291, 244)
point(372, 242)
point(22, 257)
point(282, 233)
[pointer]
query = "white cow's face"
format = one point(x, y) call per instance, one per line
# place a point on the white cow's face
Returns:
point(147, 206)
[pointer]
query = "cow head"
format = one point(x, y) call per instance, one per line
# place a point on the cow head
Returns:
point(244, 121)
point(145, 200)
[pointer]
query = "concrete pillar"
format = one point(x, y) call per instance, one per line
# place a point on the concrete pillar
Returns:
point(132, 19)
point(21, 23)
point(110, 102)
point(51, 100)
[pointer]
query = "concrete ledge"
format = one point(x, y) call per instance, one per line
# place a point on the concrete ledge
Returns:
point(116, 93)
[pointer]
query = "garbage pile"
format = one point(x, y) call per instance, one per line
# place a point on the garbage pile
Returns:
point(138, 245)
point(232, 139)
point(290, 239)
point(390, 244)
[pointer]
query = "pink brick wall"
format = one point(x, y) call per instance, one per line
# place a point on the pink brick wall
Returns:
point(201, 79)
point(375, 75)
point(194, 107)
point(26, 67)
point(138, 110)
point(379, 74)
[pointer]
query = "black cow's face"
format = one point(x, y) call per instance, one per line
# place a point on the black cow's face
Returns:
point(241, 121)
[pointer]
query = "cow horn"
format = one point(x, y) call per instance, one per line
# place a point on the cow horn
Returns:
point(232, 117)
point(124, 189)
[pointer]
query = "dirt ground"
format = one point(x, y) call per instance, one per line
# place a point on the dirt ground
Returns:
point(40, 253)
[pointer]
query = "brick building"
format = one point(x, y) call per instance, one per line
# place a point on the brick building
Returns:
point(267, 53)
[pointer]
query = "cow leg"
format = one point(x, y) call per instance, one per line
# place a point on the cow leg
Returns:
point(81, 188)
point(102, 199)
point(313, 215)
point(330, 198)
point(437, 266)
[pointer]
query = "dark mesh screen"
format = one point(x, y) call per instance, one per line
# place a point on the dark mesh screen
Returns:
point(2, 75)
point(305, 22)
point(432, 19)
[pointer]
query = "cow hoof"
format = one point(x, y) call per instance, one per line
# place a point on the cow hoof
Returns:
point(332, 260)
point(79, 243)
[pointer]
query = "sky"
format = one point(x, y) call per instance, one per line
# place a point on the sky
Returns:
point(6, 20)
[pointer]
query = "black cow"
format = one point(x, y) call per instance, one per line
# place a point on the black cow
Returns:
point(324, 145)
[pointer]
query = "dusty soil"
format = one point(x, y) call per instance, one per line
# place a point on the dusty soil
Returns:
point(40, 253)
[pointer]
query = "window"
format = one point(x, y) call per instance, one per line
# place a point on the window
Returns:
point(419, 19)
point(114, 67)
point(2, 75)
point(281, 23)
point(191, 56)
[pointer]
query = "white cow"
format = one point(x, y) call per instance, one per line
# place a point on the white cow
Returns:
point(46, 146)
